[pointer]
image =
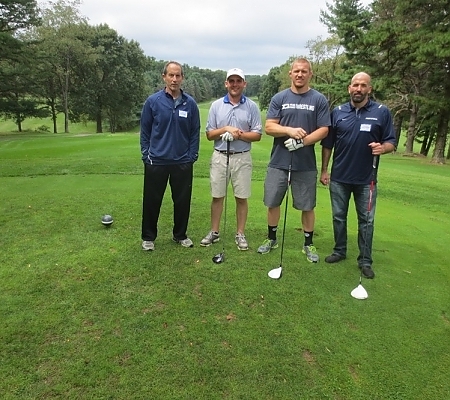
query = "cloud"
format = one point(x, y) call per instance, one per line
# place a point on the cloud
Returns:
point(249, 34)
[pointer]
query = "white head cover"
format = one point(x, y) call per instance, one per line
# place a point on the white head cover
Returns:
point(359, 293)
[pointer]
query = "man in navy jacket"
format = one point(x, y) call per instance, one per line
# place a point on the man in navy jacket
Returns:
point(170, 139)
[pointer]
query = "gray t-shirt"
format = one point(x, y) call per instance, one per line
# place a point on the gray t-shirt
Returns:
point(309, 111)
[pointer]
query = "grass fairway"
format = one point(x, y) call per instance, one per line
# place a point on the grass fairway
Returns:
point(86, 314)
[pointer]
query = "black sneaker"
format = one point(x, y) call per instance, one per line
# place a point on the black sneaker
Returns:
point(334, 258)
point(367, 272)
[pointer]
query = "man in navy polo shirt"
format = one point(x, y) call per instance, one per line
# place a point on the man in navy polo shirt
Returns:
point(360, 130)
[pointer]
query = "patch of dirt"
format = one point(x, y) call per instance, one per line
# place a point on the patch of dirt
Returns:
point(159, 306)
point(353, 373)
point(197, 290)
point(308, 356)
point(231, 317)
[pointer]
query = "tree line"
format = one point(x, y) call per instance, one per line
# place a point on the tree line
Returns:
point(405, 46)
point(53, 62)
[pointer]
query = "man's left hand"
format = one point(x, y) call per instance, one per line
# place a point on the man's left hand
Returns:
point(227, 137)
point(293, 144)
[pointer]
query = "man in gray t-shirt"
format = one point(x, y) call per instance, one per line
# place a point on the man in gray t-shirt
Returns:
point(297, 118)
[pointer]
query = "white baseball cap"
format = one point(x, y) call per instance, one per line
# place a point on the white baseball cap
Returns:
point(236, 71)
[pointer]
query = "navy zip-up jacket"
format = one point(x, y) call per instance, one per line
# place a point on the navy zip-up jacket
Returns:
point(170, 129)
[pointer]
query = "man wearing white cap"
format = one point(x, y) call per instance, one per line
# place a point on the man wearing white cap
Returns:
point(235, 120)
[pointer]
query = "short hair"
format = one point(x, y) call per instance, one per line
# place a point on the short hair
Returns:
point(172, 62)
point(301, 60)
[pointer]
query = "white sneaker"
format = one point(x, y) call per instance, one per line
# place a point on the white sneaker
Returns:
point(311, 253)
point(148, 245)
point(267, 245)
point(185, 242)
point(241, 241)
point(210, 238)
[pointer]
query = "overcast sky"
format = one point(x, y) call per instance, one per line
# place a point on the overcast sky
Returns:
point(253, 35)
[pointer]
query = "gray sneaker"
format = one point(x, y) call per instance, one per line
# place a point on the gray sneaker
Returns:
point(184, 242)
point(148, 245)
point(267, 245)
point(210, 238)
point(311, 253)
point(241, 241)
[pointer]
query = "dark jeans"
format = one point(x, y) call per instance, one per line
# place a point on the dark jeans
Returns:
point(340, 198)
point(155, 183)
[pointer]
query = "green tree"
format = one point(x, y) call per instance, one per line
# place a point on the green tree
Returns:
point(111, 87)
point(348, 20)
point(153, 75)
point(61, 36)
point(328, 62)
point(254, 85)
point(406, 47)
point(15, 16)
point(18, 102)
point(270, 87)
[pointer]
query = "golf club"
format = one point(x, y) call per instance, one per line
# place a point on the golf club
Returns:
point(220, 258)
point(359, 292)
point(276, 273)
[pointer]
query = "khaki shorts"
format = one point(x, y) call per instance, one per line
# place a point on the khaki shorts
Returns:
point(239, 174)
point(303, 188)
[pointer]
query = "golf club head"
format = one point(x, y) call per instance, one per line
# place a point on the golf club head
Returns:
point(359, 293)
point(276, 273)
point(219, 258)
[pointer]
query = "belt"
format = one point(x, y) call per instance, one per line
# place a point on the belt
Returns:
point(232, 152)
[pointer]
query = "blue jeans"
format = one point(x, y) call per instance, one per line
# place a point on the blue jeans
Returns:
point(340, 198)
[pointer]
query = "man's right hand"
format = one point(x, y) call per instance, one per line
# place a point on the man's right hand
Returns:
point(324, 178)
point(296, 133)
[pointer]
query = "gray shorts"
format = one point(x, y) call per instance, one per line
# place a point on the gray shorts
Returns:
point(303, 188)
point(239, 174)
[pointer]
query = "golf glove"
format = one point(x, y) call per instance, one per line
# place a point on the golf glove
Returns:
point(293, 144)
point(227, 137)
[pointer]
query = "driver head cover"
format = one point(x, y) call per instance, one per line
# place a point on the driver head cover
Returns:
point(359, 293)
point(275, 273)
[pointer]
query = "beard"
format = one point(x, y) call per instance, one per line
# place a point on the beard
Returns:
point(358, 97)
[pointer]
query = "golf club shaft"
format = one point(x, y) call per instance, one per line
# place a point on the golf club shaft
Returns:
point(226, 197)
point(285, 211)
point(369, 206)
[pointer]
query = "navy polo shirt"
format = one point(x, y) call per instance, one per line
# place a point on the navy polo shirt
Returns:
point(350, 133)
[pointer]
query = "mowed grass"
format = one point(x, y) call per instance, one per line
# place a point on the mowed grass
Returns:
point(86, 314)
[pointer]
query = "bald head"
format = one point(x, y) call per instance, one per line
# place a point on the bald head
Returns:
point(362, 76)
point(359, 89)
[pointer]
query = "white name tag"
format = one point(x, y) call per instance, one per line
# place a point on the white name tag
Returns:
point(183, 114)
point(365, 127)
